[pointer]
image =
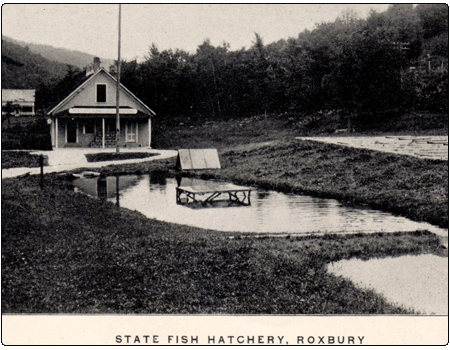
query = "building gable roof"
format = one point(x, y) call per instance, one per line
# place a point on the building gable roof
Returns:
point(60, 106)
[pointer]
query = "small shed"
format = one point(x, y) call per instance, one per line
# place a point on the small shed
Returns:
point(197, 159)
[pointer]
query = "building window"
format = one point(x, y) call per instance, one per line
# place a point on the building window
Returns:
point(89, 127)
point(101, 92)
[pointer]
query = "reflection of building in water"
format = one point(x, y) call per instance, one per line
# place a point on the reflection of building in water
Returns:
point(158, 178)
point(106, 187)
point(102, 188)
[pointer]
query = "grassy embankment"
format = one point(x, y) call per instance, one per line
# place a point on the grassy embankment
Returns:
point(184, 133)
point(416, 188)
point(65, 252)
point(20, 159)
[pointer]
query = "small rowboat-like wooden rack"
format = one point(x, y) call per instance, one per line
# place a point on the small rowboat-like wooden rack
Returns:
point(195, 193)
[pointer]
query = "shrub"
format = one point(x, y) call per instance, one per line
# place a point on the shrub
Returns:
point(34, 135)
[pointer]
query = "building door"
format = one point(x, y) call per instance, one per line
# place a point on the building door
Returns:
point(131, 131)
point(71, 131)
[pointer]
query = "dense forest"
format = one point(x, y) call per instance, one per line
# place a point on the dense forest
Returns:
point(390, 62)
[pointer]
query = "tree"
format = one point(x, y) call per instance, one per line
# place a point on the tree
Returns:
point(210, 65)
point(129, 75)
point(349, 17)
point(163, 81)
point(433, 18)
point(260, 79)
point(7, 109)
point(49, 94)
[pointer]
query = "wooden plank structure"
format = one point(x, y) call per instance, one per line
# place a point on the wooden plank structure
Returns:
point(197, 159)
point(195, 190)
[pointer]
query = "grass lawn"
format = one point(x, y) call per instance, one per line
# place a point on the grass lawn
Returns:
point(20, 159)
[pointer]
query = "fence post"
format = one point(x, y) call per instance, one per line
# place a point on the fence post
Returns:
point(41, 164)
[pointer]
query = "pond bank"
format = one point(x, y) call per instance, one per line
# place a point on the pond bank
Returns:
point(105, 259)
point(413, 187)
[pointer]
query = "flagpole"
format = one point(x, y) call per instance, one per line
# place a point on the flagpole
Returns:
point(117, 89)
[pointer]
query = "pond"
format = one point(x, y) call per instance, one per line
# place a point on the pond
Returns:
point(269, 212)
point(414, 282)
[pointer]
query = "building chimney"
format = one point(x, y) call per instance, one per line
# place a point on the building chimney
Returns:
point(89, 70)
point(96, 64)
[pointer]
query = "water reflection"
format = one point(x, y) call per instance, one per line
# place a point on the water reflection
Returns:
point(102, 188)
point(106, 188)
point(158, 178)
point(262, 195)
point(269, 212)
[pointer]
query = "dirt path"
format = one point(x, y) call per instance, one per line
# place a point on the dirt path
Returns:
point(68, 159)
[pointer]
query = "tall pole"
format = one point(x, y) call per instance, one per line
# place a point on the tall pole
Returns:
point(117, 90)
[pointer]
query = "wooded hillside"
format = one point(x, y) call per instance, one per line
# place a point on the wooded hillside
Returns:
point(23, 69)
point(69, 57)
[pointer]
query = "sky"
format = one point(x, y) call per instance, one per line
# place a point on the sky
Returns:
point(93, 28)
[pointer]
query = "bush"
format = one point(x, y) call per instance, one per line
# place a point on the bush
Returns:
point(34, 135)
point(427, 90)
point(36, 141)
point(9, 144)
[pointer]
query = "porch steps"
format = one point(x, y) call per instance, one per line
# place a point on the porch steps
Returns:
point(108, 144)
point(110, 140)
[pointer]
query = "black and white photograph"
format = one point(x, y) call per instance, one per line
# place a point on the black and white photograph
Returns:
point(225, 174)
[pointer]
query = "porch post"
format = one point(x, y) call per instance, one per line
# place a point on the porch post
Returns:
point(53, 132)
point(103, 132)
point(56, 132)
point(149, 132)
point(137, 132)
